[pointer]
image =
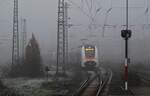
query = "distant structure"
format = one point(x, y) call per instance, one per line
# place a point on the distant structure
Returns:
point(33, 65)
point(61, 38)
point(24, 37)
point(15, 45)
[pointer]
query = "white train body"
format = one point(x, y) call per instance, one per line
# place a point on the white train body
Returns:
point(89, 56)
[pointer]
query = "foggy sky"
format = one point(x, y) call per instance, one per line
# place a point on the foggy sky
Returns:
point(41, 18)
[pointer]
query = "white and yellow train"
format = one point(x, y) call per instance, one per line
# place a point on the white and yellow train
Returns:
point(89, 57)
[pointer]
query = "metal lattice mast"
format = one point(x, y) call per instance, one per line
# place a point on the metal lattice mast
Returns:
point(24, 38)
point(61, 37)
point(66, 33)
point(15, 47)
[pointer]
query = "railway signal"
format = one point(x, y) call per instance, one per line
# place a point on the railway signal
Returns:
point(126, 34)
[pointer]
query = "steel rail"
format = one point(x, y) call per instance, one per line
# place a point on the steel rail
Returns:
point(84, 85)
point(101, 87)
point(81, 87)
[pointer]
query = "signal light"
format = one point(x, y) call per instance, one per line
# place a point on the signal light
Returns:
point(126, 33)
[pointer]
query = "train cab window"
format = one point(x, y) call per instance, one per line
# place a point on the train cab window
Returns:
point(90, 51)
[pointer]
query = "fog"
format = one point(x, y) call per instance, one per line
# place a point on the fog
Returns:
point(41, 16)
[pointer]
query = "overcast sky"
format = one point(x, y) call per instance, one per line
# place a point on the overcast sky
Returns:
point(41, 18)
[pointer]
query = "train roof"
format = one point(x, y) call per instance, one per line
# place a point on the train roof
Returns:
point(88, 45)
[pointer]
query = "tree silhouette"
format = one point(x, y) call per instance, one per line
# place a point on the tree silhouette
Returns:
point(32, 66)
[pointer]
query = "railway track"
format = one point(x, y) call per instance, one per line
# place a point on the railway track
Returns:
point(116, 87)
point(92, 86)
point(111, 86)
point(103, 90)
point(144, 76)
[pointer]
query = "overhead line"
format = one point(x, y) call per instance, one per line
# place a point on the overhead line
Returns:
point(88, 6)
point(91, 5)
point(79, 8)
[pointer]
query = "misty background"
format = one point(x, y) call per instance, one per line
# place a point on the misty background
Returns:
point(41, 16)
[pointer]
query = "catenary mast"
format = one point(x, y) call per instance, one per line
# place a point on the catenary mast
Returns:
point(15, 45)
point(61, 37)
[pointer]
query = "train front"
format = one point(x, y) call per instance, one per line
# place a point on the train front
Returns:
point(89, 57)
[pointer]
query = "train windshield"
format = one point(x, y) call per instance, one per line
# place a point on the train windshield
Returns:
point(90, 51)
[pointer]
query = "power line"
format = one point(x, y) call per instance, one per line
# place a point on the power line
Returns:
point(82, 4)
point(105, 20)
point(92, 18)
point(89, 8)
point(91, 5)
point(79, 8)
